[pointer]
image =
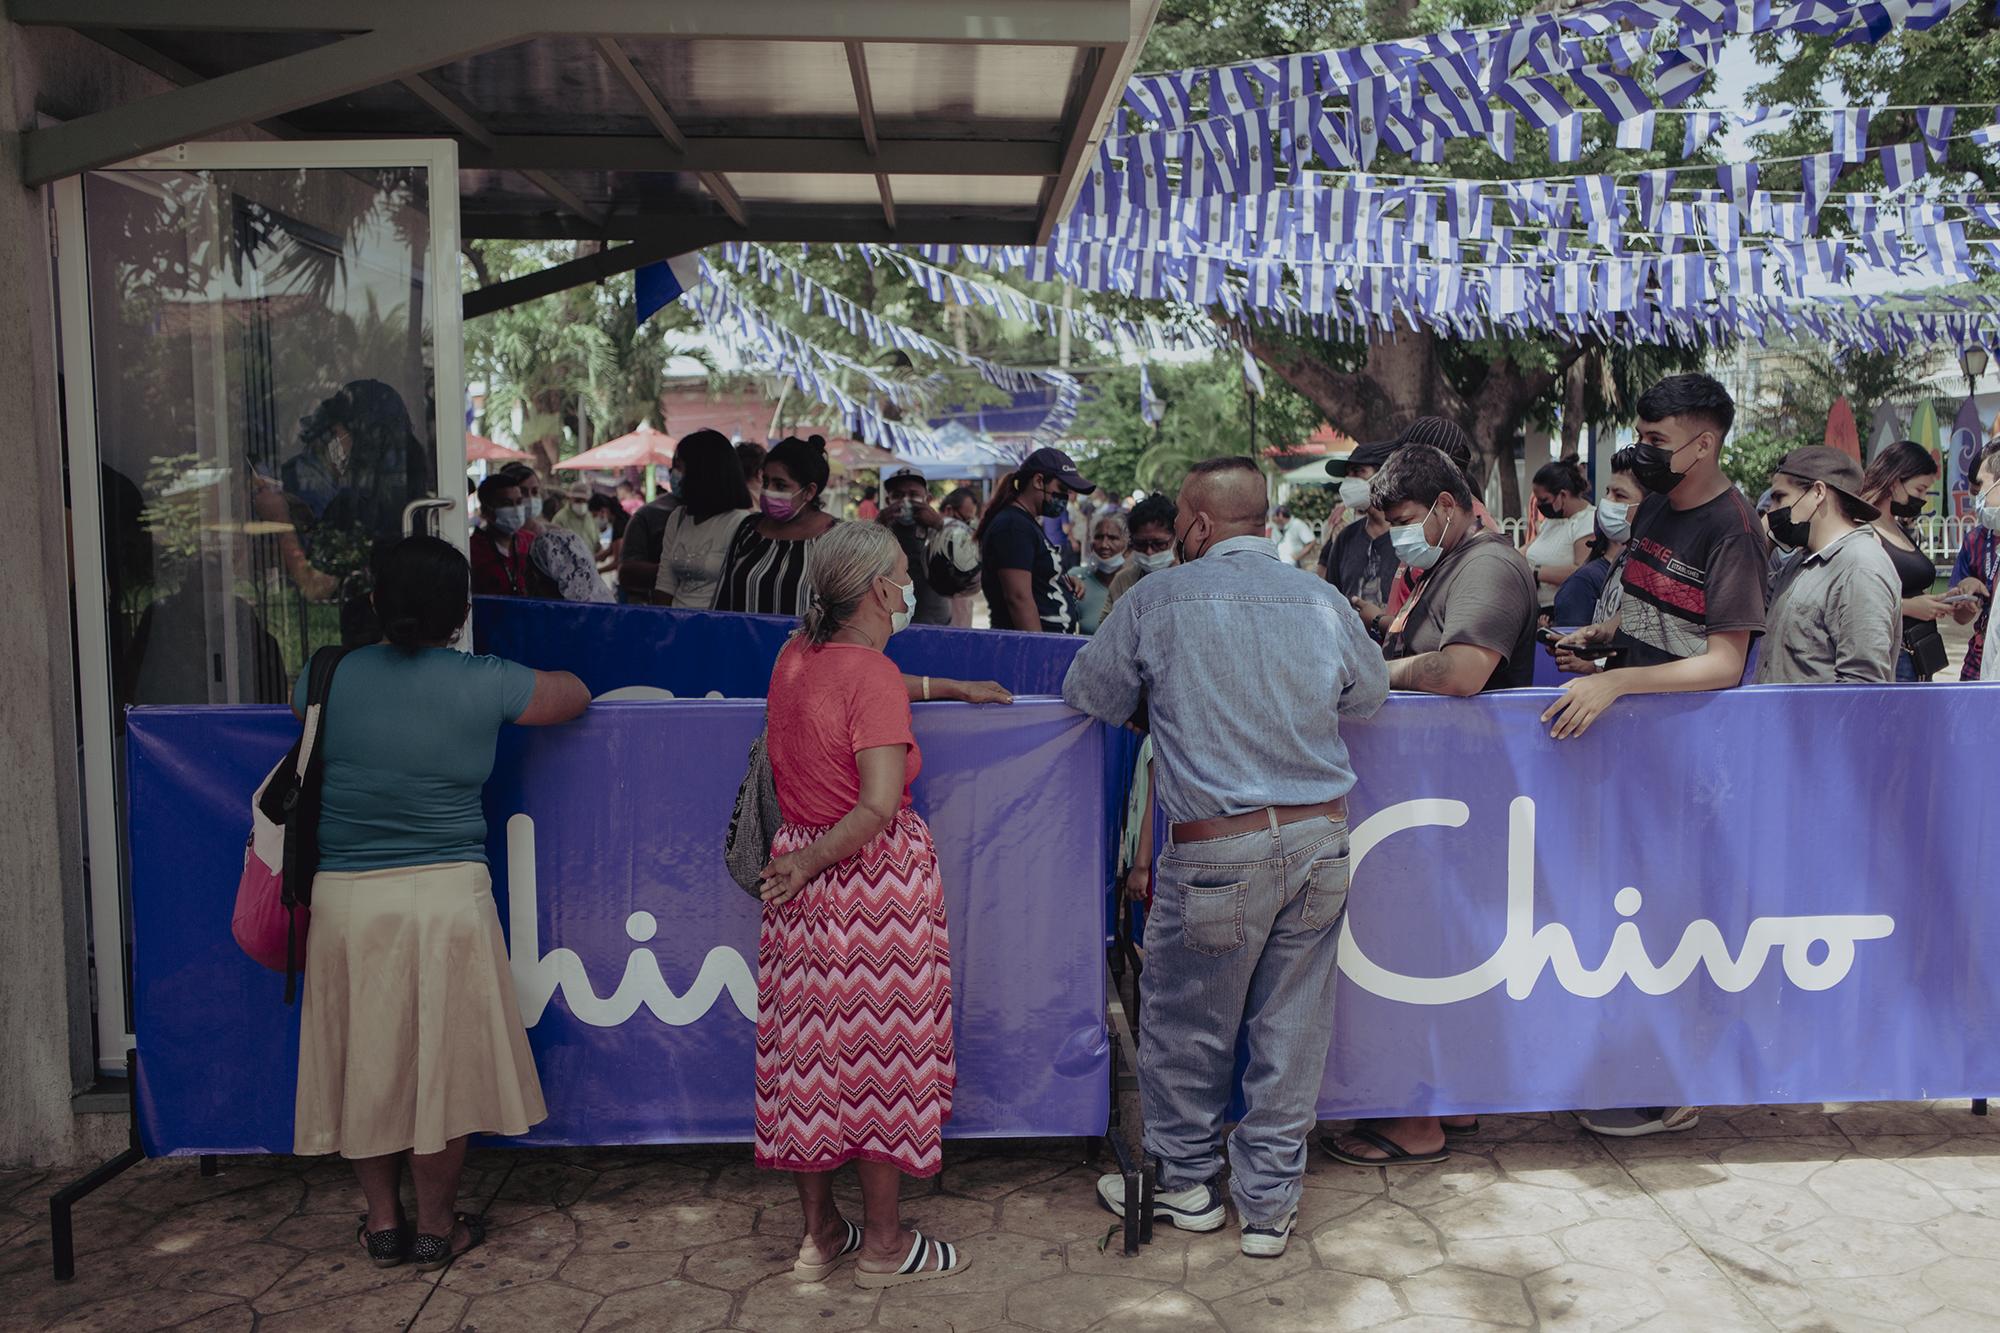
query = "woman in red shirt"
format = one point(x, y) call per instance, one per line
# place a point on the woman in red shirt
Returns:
point(855, 1060)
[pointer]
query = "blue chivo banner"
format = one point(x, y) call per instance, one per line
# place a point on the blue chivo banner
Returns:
point(634, 954)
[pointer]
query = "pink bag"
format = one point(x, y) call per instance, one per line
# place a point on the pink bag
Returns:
point(262, 922)
point(274, 895)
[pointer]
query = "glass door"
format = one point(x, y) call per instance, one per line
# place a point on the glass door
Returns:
point(262, 369)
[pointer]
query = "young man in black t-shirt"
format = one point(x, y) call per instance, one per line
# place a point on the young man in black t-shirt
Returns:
point(1020, 569)
point(1694, 582)
point(1694, 586)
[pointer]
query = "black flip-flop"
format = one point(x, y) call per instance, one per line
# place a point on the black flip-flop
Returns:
point(1460, 1131)
point(387, 1248)
point(1395, 1153)
point(431, 1253)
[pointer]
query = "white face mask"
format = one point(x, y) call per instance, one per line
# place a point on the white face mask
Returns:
point(1614, 518)
point(1986, 509)
point(509, 519)
point(1412, 547)
point(1354, 493)
point(579, 507)
point(1109, 564)
point(900, 620)
point(1155, 562)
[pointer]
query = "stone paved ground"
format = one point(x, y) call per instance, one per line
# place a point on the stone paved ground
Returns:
point(1806, 1218)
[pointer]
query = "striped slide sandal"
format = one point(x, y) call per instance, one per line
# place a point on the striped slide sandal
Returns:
point(927, 1261)
point(806, 1272)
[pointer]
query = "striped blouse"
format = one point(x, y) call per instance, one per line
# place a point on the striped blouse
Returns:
point(765, 575)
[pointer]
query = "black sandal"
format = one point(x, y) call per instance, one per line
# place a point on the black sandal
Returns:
point(1460, 1131)
point(431, 1253)
point(387, 1248)
point(1393, 1153)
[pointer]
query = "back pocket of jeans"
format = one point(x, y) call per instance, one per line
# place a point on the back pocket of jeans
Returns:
point(1212, 919)
point(1326, 890)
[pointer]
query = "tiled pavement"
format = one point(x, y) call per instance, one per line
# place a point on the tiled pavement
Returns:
point(1866, 1217)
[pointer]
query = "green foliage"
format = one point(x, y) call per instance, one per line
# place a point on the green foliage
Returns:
point(1749, 455)
point(1312, 503)
point(1207, 415)
point(1812, 377)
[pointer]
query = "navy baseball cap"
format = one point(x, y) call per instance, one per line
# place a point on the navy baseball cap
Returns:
point(1055, 463)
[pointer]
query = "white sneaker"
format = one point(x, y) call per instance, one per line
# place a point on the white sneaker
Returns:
point(1637, 1122)
point(1268, 1241)
point(1197, 1208)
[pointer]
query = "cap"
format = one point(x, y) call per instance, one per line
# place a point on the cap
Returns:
point(1373, 454)
point(1440, 433)
point(578, 490)
point(1057, 464)
point(903, 473)
point(1817, 462)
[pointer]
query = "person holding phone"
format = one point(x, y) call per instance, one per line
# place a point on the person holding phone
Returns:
point(1899, 482)
point(1974, 574)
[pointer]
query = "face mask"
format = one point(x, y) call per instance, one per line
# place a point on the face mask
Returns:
point(1653, 467)
point(781, 508)
point(1988, 515)
point(1053, 506)
point(1547, 509)
point(1614, 520)
point(579, 507)
point(900, 620)
point(509, 519)
point(1909, 508)
point(1788, 530)
point(1412, 547)
point(1109, 564)
point(904, 513)
point(1181, 555)
point(1153, 562)
point(1354, 493)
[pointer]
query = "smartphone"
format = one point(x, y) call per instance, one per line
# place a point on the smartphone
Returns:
point(1958, 598)
point(1549, 636)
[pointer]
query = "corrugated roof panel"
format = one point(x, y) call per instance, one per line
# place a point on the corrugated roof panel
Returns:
point(1025, 84)
point(779, 187)
point(975, 191)
point(745, 82)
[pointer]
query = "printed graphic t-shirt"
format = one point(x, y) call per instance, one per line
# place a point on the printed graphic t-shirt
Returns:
point(1690, 573)
point(1015, 541)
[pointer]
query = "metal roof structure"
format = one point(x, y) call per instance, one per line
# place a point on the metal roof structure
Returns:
point(668, 124)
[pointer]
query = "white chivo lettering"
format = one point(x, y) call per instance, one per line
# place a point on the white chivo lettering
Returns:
point(1525, 952)
point(538, 977)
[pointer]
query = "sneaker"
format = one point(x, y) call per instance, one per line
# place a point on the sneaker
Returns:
point(1639, 1121)
point(1268, 1241)
point(1197, 1208)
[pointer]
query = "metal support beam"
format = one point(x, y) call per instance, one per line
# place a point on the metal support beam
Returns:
point(789, 157)
point(574, 273)
point(173, 71)
point(864, 95)
point(694, 231)
point(1016, 22)
point(436, 37)
point(461, 117)
point(621, 64)
point(888, 201)
point(725, 194)
point(1099, 78)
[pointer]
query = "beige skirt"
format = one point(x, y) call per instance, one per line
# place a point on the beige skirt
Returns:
point(410, 1034)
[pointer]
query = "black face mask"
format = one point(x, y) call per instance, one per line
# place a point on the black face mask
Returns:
point(1653, 468)
point(1548, 509)
point(1909, 508)
point(1053, 505)
point(1787, 531)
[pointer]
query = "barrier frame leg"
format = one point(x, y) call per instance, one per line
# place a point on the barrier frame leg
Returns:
point(62, 1204)
point(1137, 1173)
point(1979, 1106)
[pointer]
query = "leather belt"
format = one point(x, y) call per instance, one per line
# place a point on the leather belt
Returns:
point(1272, 817)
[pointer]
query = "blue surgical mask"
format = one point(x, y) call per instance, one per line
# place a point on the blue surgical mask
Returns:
point(510, 519)
point(1412, 547)
point(1614, 520)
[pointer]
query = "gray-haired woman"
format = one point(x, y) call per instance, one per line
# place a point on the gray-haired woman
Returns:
point(855, 1061)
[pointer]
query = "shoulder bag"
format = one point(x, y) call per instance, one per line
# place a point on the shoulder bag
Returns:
point(754, 822)
point(274, 895)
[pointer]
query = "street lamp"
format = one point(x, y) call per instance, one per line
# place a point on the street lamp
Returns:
point(1973, 361)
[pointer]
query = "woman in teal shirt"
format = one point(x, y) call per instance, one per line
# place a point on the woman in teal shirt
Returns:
point(410, 1035)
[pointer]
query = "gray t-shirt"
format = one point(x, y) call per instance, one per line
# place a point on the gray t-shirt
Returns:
point(1836, 616)
point(1482, 592)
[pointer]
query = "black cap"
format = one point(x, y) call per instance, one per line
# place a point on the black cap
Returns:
point(1817, 462)
point(1373, 454)
point(1055, 463)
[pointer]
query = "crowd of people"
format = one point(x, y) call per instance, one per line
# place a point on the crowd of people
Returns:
point(1671, 576)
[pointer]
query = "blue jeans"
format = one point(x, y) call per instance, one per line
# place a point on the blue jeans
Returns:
point(1906, 669)
point(1242, 936)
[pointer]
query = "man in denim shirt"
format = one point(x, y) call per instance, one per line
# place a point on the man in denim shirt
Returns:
point(1244, 665)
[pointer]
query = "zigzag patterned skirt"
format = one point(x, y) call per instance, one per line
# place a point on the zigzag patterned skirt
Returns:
point(854, 1049)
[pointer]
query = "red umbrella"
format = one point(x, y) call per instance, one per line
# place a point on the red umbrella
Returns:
point(644, 447)
point(480, 449)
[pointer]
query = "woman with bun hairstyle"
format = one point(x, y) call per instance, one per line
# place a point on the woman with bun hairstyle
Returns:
point(767, 569)
point(410, 1035)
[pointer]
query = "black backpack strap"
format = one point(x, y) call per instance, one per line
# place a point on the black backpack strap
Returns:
point(302, 809)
